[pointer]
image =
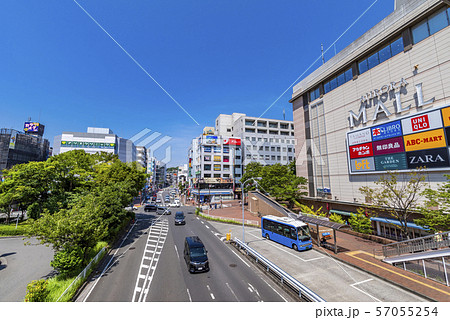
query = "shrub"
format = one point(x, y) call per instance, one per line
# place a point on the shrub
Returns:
point(336, 218)
point(37, 291)
point(68, 261)
point(360, 223)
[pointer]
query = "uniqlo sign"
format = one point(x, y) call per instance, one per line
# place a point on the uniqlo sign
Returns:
point(423, 122)
point(420, 123)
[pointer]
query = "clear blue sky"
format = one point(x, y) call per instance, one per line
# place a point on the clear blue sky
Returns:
point(213, 56)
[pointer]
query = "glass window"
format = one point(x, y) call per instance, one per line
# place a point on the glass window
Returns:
point(420, 32)
point(363, 66)
point(333, 84)
point(373, 60)
point(348, 75)
point(327, 87)
point(397, 46)
point(437, 22)
point(385, 53)
point(341, 79)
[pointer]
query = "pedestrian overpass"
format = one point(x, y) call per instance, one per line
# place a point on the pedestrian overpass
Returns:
point(427, 256)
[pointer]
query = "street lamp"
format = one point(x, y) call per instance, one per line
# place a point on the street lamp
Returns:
point(243, 185)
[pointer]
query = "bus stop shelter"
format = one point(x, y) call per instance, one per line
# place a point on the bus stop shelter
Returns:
point(323, 222)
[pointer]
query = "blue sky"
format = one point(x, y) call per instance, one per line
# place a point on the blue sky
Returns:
point(212, 56)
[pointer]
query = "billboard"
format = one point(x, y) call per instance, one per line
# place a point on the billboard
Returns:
point(232, 141)
point(211, 140)
point(33, 127)
point(420, 140)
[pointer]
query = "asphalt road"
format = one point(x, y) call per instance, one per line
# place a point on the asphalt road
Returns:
point(149, 266)
point(20, 264)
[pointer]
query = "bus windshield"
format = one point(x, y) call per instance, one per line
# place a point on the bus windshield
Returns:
point(303, 233)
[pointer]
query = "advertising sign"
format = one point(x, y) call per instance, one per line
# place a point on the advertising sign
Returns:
point(232, 141)
point(361, 151)
point(87, 144)
point(217, 158)
point(359, 137)
point(362, 165)
point(217, 167)
point(388, 146)
point(427, 121)
point(211, 140)
point(435, 158)
point(425, 140)
point(12, 140)
point(386, 131)
point(446, 116)
point(207, 131)
point(391, 162)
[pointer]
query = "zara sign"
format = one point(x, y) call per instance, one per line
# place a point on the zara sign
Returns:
point(374, 98)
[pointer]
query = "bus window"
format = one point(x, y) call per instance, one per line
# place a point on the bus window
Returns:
point(293, 234)
point(303, 233)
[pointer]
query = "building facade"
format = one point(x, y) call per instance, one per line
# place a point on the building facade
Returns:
point(267, 141)
point(20, 147)
point(379, 105)
point(95, 140)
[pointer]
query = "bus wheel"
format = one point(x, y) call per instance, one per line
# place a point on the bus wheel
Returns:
point(294, 246)
point(267, 236)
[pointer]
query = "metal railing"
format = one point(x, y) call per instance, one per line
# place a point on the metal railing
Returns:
point(85, 271)
point(436, 241)
point(293, 284)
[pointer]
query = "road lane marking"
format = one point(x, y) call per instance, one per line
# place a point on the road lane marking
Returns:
point(235, 296)
point(364, 281)
point(354, 253)
point(110, 260)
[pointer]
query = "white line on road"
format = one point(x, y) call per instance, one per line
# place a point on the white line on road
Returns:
point(360, 282)
point(235, 296)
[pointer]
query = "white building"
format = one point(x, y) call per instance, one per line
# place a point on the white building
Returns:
point(267, 141)
point(93, 141)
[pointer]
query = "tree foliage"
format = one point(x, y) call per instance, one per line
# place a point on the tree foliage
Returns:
point(360, 222)
point(398, 195)
point(277, 180)
point(76, 199)
point(436, 208)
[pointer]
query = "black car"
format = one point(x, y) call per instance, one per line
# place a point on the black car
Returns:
point(179, 218)
point(195, 255)
point(149, 207)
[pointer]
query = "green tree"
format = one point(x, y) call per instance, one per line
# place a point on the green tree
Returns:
point(280, 182)
point(435, 209)
point(360, 223)
point(397, 195)
point(69, 229)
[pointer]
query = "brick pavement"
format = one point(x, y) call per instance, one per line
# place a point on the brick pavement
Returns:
point(357, 252)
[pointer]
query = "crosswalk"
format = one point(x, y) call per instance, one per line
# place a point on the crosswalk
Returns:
point(157, 235)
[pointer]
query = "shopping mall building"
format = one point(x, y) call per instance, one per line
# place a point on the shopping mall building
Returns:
point(381, 104)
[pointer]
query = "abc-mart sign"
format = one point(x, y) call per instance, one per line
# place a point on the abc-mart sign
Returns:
point(409, 142)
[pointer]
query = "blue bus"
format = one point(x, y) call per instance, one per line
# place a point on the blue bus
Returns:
point(287, 231)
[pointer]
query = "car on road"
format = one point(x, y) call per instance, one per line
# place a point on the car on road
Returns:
point(172, 204)
point(158, 200)
point(179, 218)
point(195, 255)
point(149, 207)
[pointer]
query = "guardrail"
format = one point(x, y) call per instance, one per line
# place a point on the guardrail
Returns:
point(293, 284)
point(436, 241)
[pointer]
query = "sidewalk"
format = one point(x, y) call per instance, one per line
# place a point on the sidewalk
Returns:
point(357, 252)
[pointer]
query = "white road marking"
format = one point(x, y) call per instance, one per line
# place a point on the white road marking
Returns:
point(360, 282)
point(235, 296)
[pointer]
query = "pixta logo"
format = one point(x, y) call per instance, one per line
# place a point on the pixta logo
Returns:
point(153, 141)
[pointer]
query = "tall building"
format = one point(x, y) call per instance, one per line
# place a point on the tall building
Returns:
point(95, 140)
point(381, 104)
point(267, 141)
point(215, 165)
point(20, 147)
